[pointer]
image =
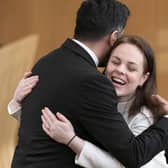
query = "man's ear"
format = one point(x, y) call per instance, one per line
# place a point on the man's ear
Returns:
point(113, 37)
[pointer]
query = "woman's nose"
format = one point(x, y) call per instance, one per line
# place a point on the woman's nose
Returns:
point(121, 69)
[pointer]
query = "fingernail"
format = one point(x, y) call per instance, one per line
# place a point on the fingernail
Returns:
point(46, 108)
point(59, 114)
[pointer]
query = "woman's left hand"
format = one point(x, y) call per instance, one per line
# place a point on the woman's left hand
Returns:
point(57, 126)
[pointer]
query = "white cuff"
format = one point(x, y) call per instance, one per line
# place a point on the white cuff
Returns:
point(14, 109)
point(92, 156)
point(166, 116)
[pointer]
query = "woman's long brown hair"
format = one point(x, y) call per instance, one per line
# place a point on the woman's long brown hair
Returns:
point(143, 95)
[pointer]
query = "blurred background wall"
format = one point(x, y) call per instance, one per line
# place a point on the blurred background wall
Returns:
point(53, 21)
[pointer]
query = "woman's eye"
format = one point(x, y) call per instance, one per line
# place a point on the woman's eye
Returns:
point(115, 62)
point(132, 69)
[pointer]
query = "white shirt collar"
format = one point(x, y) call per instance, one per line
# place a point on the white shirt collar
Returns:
point(91, 53)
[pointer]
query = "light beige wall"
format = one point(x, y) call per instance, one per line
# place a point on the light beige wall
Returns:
point(54, 20)
point(149, 20)
point(17, 58)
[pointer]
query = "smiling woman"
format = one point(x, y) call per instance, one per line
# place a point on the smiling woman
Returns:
point(132, 69)
point(126, 69)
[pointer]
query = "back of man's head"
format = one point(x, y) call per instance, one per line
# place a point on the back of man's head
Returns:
point(98, 18)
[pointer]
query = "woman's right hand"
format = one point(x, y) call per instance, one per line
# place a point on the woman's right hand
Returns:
point(25, 86)
point(162, 103)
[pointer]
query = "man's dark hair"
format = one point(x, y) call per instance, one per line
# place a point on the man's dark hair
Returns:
point(98, 18)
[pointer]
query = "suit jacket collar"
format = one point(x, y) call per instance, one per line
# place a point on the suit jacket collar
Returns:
point(74, 47)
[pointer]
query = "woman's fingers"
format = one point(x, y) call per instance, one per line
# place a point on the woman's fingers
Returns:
point(160, 99)
point(46, 119)
point(163, 104)
point(62, 118)
point(26, 75)
point(49, 117)
point(26, 91)
point(44, 122)
point(25, 87)
point(58, 127)
point(46, 129)
point(31, 80)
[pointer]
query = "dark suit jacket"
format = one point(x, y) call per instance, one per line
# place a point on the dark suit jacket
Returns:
point(70, 83)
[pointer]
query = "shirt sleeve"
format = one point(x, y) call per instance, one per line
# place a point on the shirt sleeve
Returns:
point(140, 123)
point(14, 109)
point(92, 156)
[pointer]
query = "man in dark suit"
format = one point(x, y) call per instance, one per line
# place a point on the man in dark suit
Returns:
point(70, 83)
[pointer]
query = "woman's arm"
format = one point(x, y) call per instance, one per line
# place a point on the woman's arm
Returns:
point(140, 123)
point(59, 128)
point(24, 87)
point(88, 155)
point(163, 103)
point(92, 156)
point(14, 109)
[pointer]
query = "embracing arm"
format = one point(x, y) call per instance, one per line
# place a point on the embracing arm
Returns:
point(164, 107)
point(87, 154)
point(14, 109)
point(59, 128)
point(109, 130)
point(92, 156)
point(24, 87)
point(141, 122)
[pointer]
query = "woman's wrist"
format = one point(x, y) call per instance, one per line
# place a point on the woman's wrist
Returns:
point(16, 101)
point(14, 104)
point(71, 139)
point(76, 144)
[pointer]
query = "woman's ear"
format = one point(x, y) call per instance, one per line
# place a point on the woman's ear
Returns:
point(144, 78)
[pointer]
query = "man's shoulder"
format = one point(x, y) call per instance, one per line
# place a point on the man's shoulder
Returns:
point(50, 61)
point(98, 82)
point(98, 77)
point(49, 55)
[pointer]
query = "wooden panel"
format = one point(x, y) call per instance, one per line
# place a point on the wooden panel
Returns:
point(142, 20)
point(54, 21)
point(162, 72)
point(163, 84)
point(16, 58)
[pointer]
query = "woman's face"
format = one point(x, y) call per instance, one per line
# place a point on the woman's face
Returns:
point(125, 69)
